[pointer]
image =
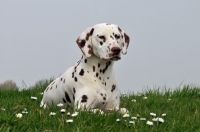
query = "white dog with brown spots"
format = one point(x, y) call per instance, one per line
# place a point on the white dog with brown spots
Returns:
point(91, 82)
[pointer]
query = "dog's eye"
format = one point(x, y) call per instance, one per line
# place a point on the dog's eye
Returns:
point(117, 36)
point(102, 37)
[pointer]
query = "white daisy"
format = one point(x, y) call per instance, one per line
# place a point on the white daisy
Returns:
point(134, 100)
point(145, 98)
point(117, 120)
point(69, 121)
point(76, 112)
point(60, 105)
point(62, 111)
point(142, 119)
point(52, 114)
point(19, 115)
point(134, 118)
point(149, 123)
point(168, 100)
point(126, 115)
point(24, 112)
point(101, 112)
point(164, 114)
point(131, 122)
point(161, 120)
point(155, 119)
point(68, 113)
point(74, 115)
point(33, 98)
point(152, 114)
point(109, 109)
point(123, 111)
point(3, 109)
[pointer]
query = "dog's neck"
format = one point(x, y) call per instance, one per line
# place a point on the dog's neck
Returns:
point(95, 64)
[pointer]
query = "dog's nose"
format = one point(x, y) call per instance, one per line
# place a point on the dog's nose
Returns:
point(116, 50)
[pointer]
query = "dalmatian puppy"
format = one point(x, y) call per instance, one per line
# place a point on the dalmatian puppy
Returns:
point(91, 82)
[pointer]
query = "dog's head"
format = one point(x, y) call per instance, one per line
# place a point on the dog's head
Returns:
point(106, 41)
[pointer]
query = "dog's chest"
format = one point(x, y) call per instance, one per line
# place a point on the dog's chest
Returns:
point(93, 74)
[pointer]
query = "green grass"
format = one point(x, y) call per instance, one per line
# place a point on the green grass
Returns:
point(182, 113)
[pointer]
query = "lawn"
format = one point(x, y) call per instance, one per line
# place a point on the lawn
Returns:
point(179, 110)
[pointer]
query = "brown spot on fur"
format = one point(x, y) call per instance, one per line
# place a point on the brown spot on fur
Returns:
point(64, 81)
point(107, 65)
point(99, 78)
point(87, 36)
point(101, 94)
point(73, 97)
point(127, 39)
point(47, 89)
point(85, 60)
point(122, 44)
point(84, 98)
point(93, 67)
point(98, 64)
point(75, 69)
point(51, 87)
point(81, 73)
point(72, 74)
point(113, 88)
point(64, 100)
point(91, 31)
point(74, 90)
point(104, 98)
point(102, 38)
point(67, 97)
point(61, 79)
point(90, 51)
point(78, 62)
point(111, 37)
point(81, 44)
point(97, 74)
point(119, 29)
point(75, 79)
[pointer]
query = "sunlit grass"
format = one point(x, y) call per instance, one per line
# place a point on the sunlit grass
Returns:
point(167, 110)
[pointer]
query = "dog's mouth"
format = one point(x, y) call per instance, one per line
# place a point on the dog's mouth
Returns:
point(116, 58)
point(112, 57)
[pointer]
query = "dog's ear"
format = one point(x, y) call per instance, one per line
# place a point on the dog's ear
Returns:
point(84, 42)
point(124, 41)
